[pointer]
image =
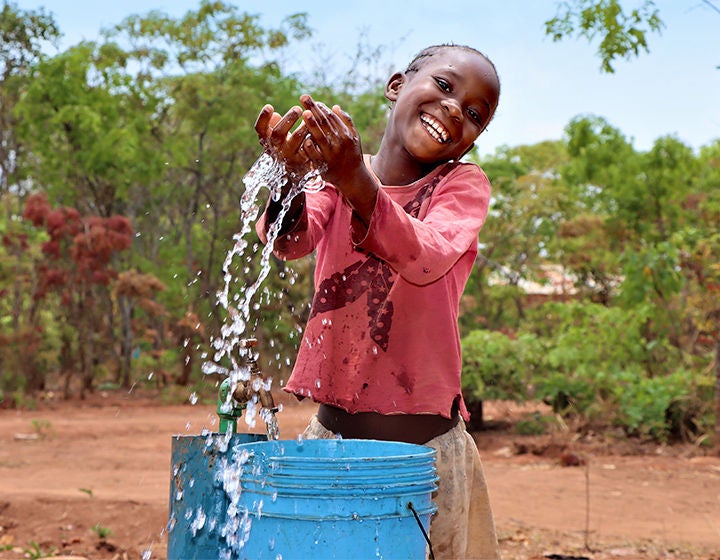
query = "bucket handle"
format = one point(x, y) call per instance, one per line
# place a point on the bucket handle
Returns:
point(427, 538)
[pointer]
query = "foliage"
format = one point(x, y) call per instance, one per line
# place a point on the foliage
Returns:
point(35, 551)
point(658, 407)
point(77, 267)
point(43, 428)
point(622, 34)
point(591, 344)
point(533, 424)
point(23, 35)
point(596, 285)
point(102, 532)
point(496, 366)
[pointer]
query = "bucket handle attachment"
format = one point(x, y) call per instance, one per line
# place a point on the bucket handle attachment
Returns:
point(424, 532)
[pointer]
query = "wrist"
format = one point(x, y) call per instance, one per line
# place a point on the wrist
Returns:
point(362, 195)
point(291, 217)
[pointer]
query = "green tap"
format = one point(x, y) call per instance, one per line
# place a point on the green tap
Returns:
point(244, 392)
point(228, 409)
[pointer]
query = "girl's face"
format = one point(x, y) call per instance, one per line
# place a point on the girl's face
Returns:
point(442, 108)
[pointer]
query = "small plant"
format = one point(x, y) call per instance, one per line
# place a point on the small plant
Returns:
point(102, 532)
point(534, 424)
point(88, 491)
point(34, 551)
point(20, 401)
point(43, 428)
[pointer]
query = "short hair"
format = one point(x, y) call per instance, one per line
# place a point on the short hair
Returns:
point(422, 57)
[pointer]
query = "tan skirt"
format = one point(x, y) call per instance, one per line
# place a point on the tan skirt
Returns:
point(463, 527)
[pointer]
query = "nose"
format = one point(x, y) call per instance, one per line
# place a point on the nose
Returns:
point(452, 107)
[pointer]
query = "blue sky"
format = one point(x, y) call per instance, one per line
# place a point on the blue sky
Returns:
point(673, 90)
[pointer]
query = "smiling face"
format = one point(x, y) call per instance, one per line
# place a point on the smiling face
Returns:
point(442, 107)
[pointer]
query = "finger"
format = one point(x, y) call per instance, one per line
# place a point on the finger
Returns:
point(322, 123)
point(319, 111)
point(318, 136)
point(264, 121)
point(275, 118)
point(296, 139)
point(312, 150)
point(344, 117)
point(281, 130)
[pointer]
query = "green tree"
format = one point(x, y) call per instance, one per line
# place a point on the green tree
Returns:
point(216, 67)
point(23, 35)
point(85, 120)
point(78, 267)
point(621, 33)
point(523, 217)
point(24, 330)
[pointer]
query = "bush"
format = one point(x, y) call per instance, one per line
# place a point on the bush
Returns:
point(496, 366)
point(662, 408)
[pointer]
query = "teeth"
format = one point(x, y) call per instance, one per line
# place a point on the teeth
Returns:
point(435, 128)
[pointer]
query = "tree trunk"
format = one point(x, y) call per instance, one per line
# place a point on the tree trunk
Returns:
point(187, 364)
point(717, 396)
point(86, 344)
point(477, 422)
point(126, 341)
point(67, 362)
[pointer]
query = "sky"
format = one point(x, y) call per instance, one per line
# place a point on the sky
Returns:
point(672, 90)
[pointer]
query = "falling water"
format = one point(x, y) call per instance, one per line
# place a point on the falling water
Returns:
point(229, 348)
point(266, 172)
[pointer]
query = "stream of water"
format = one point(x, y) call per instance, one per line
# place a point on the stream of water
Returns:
point(269, 173)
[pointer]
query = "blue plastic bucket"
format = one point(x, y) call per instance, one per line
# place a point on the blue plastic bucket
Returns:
point(332, 499)
point(198, 500)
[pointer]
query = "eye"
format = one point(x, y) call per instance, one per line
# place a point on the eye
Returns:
point(474, 115)
point(442, 84)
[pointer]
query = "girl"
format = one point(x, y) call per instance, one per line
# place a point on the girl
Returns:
point(395, 235)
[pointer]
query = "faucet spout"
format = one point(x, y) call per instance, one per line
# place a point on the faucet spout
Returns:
point(253, 390)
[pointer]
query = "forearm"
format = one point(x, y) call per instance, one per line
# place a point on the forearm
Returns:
point(290, 219)
point(360, 191)
point(423, 245)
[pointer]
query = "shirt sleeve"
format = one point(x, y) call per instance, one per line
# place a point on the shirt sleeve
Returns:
point(307, 230)
point(422, 250)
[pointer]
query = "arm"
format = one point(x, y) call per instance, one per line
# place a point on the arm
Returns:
point(306, 217)
point(336, 149)
point(423, 250)
point(274, 134)
point(304, 234)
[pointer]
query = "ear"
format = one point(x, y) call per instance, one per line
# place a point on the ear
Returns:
point(394, 85)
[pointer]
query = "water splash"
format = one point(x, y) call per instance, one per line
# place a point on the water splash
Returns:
point(270, 173)
point(236, 530)
point(273, 429)
point(230, 355)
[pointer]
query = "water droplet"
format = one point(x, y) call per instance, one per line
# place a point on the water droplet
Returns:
point(199, 521)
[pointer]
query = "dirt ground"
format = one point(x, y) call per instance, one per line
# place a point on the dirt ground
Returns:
point(90, 479)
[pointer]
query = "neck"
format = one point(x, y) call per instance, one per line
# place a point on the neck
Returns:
point(399, 168)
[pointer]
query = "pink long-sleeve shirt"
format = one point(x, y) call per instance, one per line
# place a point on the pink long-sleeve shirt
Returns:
point(383, 334)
